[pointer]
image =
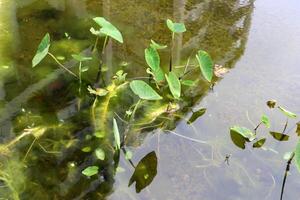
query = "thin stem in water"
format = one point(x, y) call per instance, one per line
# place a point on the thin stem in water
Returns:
point(61, 65)
point(287, 169)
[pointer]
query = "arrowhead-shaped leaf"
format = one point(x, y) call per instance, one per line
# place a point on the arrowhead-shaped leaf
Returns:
point(153, 60)
point(108, 29)
point(176, 27)
point(279, 136)
point(144, 91)
point(196, 115)
point(206, 65)
point(174, 84)
point(42, 50)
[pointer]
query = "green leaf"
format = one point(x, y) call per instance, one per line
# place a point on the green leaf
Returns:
point(100, 154)
point(109, 29)
point(116, 135)
point(90, 171)
point(42, 50)
point(85, 69)
point(259, 143)
point(189, 83)
point(279, 136)
point(86, 149)
point(238, 139)
point(144, 91)
point(157, 46)
point(297, 156)
point(176, 27)
point(128, 155)
point(265, 120)
point(298, 129)
point(95, 32)
point(174, 84)
point(196, 115)
point(206, 64)
point(246, 133)
point(144, 172)
point(81, 58)
point(153, 60)
point(98, 91)
point(287, 113)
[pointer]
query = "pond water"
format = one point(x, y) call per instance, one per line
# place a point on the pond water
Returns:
point(46, 124)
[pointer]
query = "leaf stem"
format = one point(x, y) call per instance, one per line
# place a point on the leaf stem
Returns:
point(61, 65)
point(287, 169)
point(255, 129)
point(80, 80)
point(171, 52)
point(285, 126)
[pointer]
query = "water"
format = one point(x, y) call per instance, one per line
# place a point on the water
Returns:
point(257, 42)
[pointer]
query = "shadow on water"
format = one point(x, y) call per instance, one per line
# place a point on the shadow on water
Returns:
point(46, 139)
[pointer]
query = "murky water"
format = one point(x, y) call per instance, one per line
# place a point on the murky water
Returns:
point(257, 41)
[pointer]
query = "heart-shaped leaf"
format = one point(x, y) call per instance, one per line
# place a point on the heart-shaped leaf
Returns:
point(196, 115)
point(42, 50)
point(144, 91)
point(259, 143)
point(246, 133)
point(108, 29)
point(174, 85)
point(206, 64)
point(279, 136)
point(176, 27)
point(153, 60)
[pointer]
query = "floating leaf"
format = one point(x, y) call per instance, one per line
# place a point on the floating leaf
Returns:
point(90, 171)
point(189, 83)
point(246, 133)
point(297, 156)
point(238, 139)
point(196, 115)
point(287, 113)
point(220, 71)
point(81, 58)
point(206, 64)
point(144, 172)
point(259, 143)
point(143, 90)
point(42, 50)
point(157, 46)
point(153, 60)
point(265, 120)
point(298, 129)
point(100, 154)
point(109, 29)
point(271, 103)
point(279, 136)
point(176, 27)
point(116, 135)
point(174, 84)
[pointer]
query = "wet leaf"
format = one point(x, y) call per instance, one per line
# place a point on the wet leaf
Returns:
point(238, 139)
point(288, 155)
point(298, 129)
point(259, 143)
point(297, 156)
point(271, 103)
point(120, 76)
point(81, 58)
point(176, 27)
point(174, 84)
point(196, 115)
point(153, 60)
point(246, 133)
point(86, 149)
point(144, 172)
point(128, 155)
point(98, 91)
point(265, 120)
point(144, 91)
point(206, 64)
point(189, 83)
point(85, 69)
point(90, 171)
point(279, 136)
point(157, 46)
point(108, 29)
point(100, 134)
point(287, 113)
point(42, 50)
point(220, 71)
point(100, 154)
point(116, 135)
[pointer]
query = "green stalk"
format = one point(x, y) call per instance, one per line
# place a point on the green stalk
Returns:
point(171, 53)
point(61, 65)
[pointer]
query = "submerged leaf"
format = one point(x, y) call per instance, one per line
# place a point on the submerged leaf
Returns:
point(206, 64)
point(271, 103)
point(176, 27)
point(259, 143)
point(174, 84)
point(288, 155)
point(90, 171)
point(287, 113)
point(189, 83)
point(143, 90)
point(86, 149)
point(196, 115)
point(108, 29)
point(153, 60)
point(42, 50)
point(265, 120)
point(144, 172)
point(100, 154)
point(157, 46)
point(279, 136)
point(81, 58)
point(116, 135)
point(98, 91)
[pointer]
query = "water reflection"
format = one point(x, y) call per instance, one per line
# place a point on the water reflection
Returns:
point(44, 101)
